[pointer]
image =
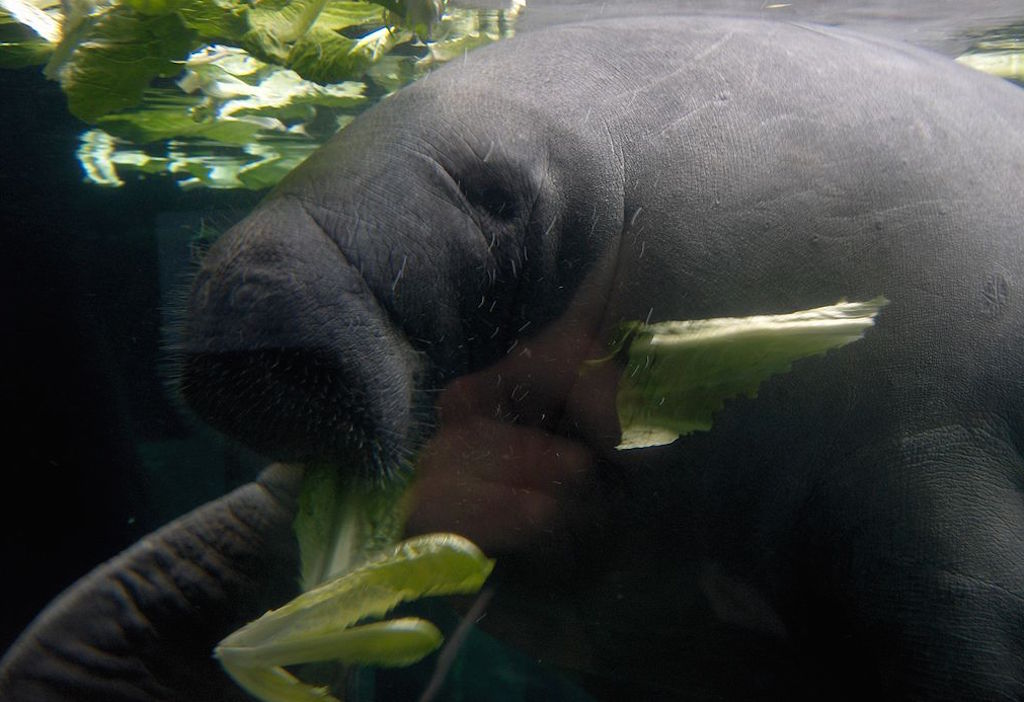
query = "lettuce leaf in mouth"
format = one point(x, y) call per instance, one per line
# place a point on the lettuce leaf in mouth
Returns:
point(354, 571)
point(325, 623)
point(679, 373)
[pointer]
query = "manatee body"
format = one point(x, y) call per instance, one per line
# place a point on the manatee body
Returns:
point(867, 507)
point(855, 530)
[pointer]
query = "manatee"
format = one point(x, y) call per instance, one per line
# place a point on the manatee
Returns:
point(444, 265)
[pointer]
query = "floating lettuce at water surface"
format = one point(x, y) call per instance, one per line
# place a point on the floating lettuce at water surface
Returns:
point(200, 73)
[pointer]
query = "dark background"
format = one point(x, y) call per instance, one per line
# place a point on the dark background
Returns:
point(97, 452)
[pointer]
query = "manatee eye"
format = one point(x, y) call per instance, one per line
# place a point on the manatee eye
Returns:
point(496, 201)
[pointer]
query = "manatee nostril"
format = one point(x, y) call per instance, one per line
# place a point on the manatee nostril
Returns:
point(290, 404)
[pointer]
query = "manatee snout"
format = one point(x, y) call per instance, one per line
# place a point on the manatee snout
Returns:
point(287, 351)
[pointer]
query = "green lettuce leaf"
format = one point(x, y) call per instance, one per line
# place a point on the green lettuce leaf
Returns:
point(1005, 64)
point(423, 566)
point(110, 58)
point(255, 165)
point(28, 31)
point(999, 51)
point(342, 14)
point(248, 73)
point(396, 642)
point(170, 114)
point(678, 374)
point(321, 624)
point(342, 523)
point(274, 25)
point(323, 55)
point(215, 20)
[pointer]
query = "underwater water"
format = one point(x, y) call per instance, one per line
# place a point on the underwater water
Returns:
point(96, 279)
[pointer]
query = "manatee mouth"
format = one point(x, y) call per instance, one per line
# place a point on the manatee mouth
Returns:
point(290, 405)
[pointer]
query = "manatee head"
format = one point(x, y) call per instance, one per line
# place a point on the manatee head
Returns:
point(418, 245)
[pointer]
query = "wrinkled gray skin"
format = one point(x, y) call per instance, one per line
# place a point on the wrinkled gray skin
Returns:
point(143, 625)
point(857, 530)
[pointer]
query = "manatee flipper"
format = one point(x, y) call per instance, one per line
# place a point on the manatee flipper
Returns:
point(142, 626)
